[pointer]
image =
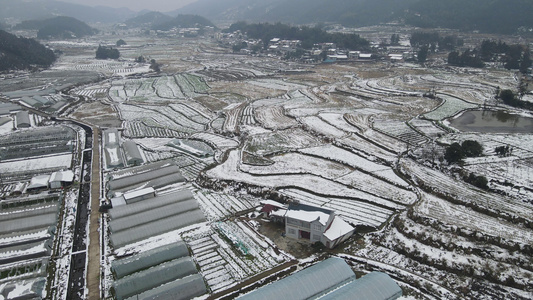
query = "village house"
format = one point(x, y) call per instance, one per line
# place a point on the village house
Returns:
point(315, 224)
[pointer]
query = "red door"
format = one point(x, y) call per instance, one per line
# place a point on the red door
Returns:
point(305, 234)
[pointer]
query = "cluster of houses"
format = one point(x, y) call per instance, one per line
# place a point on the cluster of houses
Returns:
point(325, 52)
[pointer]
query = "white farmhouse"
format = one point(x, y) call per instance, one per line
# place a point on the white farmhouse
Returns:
point(316, 224)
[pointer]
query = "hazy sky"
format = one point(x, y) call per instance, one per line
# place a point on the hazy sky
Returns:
point(158, 5)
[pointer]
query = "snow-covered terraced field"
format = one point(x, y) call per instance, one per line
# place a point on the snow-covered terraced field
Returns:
point(449, 108)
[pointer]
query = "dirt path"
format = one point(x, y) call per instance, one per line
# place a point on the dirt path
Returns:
point(93, 272)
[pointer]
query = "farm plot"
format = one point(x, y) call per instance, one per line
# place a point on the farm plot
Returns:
point(280, 141)
point(379, 187)
point(399, 130)
point(153, 118)
point(218, 206)
point(233, 117)
point(229, 171)
point(194, 113)
point(248, 116)
point(232, 252)
point(276, 84)
point(90, 92)
point(296, 163)
point(355, 161)
point(352, 211)
point(217, 141)
point(166, 87)
point(427, 128)
point(191, 85)
point(463, 192)
point(138, 129)
point(180, 117)
point(338, 120)
point(465, 217)
point(450, 107)
point(366, 148)
point(316, 124)
point(273, 117)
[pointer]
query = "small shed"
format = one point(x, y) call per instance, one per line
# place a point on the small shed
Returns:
point(23, 119)
point(337, 232)
point(38, 183)
point(61, 179)
point(139, 195)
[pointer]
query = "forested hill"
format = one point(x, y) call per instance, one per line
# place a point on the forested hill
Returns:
point(498, 16)
point(58, 27)
point(18, 53)
point(353, 12)
point(184, 21)
point(41, 9)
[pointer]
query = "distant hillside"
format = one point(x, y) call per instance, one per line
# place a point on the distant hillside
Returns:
point(184, 21)
point(18, 53)
point(347, 12)
point(42, 9)
point(497, 16)
point(58, 27)
point(148, 20)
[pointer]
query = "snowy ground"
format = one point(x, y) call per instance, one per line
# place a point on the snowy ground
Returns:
point(357, 138)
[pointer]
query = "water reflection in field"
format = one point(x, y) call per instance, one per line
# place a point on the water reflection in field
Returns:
point(489, 121)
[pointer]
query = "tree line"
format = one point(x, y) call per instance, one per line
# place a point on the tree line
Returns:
point(513, 57)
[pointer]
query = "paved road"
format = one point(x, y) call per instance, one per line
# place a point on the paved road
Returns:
point(82, 272)
point(76, 282)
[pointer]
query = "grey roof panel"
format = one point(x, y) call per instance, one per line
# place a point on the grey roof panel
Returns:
point(148, 279)
point(28, 223)
point(150, 258)
point(17, 213)
point(373, 286)
point(181, 289)
point(158, 201)
point(139, 233)
point(138, 180)
point(153, 215)
point(308, 283)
